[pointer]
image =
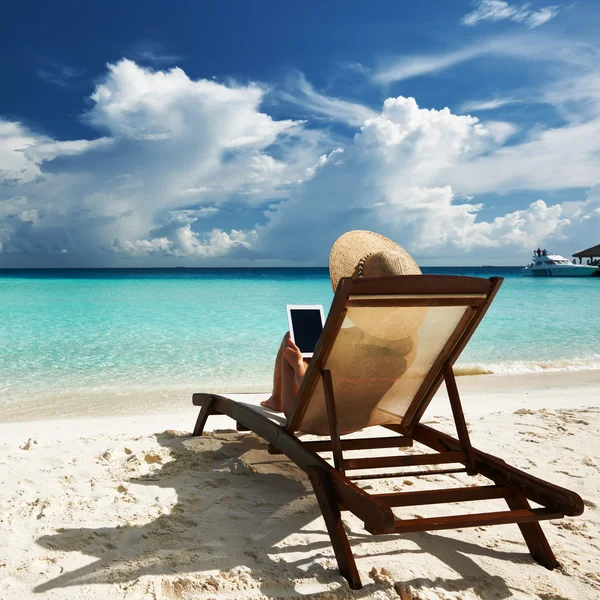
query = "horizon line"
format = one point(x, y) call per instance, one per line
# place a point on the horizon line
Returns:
point(240, 267)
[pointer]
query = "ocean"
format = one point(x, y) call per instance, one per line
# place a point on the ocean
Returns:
point(72, 331)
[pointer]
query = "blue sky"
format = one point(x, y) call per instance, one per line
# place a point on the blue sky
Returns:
point(206, 133)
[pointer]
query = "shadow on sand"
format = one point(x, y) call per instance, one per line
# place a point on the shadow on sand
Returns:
point(236, 504)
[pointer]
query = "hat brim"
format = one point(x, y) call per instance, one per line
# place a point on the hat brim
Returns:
point(355, 245)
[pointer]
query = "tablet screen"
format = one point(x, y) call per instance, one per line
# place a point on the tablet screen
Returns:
point(307, 325)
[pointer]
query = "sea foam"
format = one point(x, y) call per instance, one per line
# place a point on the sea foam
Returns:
point(520, 367)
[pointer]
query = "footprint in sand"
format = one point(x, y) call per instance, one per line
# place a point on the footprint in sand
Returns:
point(576, 527)
point(571, 474)
point(152, 458)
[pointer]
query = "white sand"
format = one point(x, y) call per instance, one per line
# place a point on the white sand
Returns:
point(125, 507)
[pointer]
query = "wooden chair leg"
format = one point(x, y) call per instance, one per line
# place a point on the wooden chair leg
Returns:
point(335, 526)
point(205, 412)
point(534, 536)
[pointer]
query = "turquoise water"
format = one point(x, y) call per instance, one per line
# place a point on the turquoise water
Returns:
point(219, 329)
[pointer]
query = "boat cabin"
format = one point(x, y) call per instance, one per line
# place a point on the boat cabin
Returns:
point(543, 257)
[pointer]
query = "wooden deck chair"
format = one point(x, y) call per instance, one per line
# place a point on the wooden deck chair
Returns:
point(356, 379)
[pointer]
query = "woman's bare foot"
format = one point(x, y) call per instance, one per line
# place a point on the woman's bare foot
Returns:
point(274, 403)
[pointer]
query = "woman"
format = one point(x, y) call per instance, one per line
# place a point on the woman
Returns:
point(355, 254)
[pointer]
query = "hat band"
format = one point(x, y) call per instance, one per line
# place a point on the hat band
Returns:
point(360, 267)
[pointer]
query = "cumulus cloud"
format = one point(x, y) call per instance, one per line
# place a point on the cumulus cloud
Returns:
point(23, 151)
point(170, 143)
point(393, 179)
point(572, 151)
point(387, 180)
point(176, 159)
point(176, 238)
point(498, 10)
point(15, 167)
point(142, 104)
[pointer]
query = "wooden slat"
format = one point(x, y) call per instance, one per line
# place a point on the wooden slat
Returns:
point(394, 427)
point(442, 496)
point(474, 520)
point(421, 284)
point(359, 301)
point(415, 296)
point(398, 441)
point(540, 491)
point(407, 474)
point(367, 508)
point(384, 462)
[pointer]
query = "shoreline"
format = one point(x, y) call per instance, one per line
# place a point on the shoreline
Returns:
point(499, 392)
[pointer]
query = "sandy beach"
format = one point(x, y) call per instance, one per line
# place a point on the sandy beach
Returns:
point(119, 501)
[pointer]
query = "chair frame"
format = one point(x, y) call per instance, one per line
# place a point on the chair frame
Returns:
point(336, 491)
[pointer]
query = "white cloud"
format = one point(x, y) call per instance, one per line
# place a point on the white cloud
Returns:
point(12, 207)
point(493, 104)
point(15, 167)
point(565, 157)
point(176, 238)
point(393, 179)
point(173, 144)
point(22, 151)
point(303, 94)
point(498, 10)
point(425, 64)
point(166, 105)
point(535, 46)
point(576, 94)
point(539, 17)
point(45, 151)
point(490, 10)
point(180, 154)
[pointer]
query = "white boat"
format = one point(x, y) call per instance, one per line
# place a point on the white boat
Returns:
point(544, 264)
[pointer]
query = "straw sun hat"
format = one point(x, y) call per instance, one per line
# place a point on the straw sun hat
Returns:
point(367, 254)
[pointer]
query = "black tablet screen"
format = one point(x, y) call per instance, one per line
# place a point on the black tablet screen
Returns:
point(307, 326)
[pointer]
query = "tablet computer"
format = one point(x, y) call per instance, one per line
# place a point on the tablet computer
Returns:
point(306, 323)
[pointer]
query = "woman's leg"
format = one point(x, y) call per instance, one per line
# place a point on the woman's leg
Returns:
point(293, 368)
point(274, 402)
point(287, 377)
